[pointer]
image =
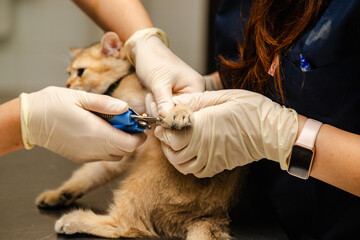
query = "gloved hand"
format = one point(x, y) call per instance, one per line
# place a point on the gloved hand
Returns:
point(59, 119)
point(213, 82)
point(231, 128)
point(159, 69)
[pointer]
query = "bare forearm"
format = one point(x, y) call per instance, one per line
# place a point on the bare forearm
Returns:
point(337, 158)
point(10, 127)
point(121, 16)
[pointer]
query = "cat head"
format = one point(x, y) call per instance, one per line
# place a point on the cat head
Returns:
point(96, 68)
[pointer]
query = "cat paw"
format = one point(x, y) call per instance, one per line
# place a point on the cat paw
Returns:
point(68, 224)
point(78, 221)
point(55, 198)
point(180, 117)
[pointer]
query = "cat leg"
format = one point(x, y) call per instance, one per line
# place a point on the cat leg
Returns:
point(88, 222)
point(207, 229)
point(83, 180)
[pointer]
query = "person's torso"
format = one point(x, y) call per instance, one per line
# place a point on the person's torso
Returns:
point(329, 92)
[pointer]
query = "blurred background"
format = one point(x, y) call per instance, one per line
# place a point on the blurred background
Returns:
point(36, 35)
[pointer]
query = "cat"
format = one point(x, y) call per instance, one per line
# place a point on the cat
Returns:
point(153, 199)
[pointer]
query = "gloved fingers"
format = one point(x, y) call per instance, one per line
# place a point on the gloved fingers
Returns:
point(176, 140)
point(188, 81)
point(110, 136)
point(102, 103)
point(194, 166)
point(163, 98)
point(163, 94)
point(177, 158)
point(150, 105)
point(188, 165)
point(115, 141)
point(99, 157)
point(198, 101)
point(122, 141)
point(113, 158)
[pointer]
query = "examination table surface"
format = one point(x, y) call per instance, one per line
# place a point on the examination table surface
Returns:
point(25, 174)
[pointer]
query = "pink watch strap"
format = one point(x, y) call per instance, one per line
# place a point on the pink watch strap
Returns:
point(309, 133)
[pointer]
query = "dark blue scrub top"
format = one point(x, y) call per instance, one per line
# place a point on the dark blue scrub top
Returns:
point(329, 92)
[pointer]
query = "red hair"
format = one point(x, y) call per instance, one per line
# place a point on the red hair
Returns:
point(274, 26)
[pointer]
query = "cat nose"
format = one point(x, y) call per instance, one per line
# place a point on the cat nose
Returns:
point(68, 85)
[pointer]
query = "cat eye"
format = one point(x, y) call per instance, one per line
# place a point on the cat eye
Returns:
point(80, 72)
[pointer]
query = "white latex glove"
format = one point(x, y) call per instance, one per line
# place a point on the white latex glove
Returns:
point(159, 69)
point(213, 82)
point(231, 128)
point(59, 119)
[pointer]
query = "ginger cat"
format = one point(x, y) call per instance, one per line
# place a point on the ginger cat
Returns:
point(153, 199)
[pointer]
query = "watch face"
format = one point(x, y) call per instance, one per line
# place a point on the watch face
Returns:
point(300, 162)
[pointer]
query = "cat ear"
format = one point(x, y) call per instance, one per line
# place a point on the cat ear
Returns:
point(111, 44)
point(75, 51)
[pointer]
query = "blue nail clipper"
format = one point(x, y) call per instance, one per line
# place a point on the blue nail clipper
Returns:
point(130, 121)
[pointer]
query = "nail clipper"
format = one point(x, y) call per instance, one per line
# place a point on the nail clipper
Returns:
point(130, 121)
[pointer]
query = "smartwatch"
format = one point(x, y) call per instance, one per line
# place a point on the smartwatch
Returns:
point(303, 151)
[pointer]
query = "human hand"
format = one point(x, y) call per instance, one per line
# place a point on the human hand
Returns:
point(231, 128)
point(213, 82)
point(159, 69)
point(60, 120)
